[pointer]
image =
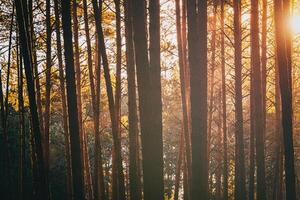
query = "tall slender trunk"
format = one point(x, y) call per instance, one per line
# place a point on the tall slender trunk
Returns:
point(240, 187)
point(115, 126)
point(22, 157)
point(212, 85)
point(64, 103)
point(48, 86)
point(257, 101)
point(134, 169)
point(78, 87)
point(179, 167)
point(264, 61)
point(95, 103)
point(197, 42)
point(75, 137)
point(148, 78)
point(252, 142)
point(282, 51)
point(28, 16)
point(219, 147)
point(278, 182)
point(155, 81)
point(181, 43)
point(155, 87)
point(224, 106)
point(4, 113)
point(115, 181)
point(43, 190)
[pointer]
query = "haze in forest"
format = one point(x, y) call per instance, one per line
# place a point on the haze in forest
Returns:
point(149, 100)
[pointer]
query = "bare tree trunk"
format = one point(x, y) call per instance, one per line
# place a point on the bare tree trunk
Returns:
point(181, 43)
point(115, 180)
point(240, 186)
point(156, 140)
point(264, 59)
point(278, 171)
point(179, 166)
point(4, 114)
point(252, 142)
point(148, 78)
point(134, 169)
point(43, 190)
point(197, 42)
point(48, 86)
point(212, 86)
point(29, 23)
point(282, 52)
point(75, 137)
point(64, 103)
point(224, 106)
point(22, 158)
point(78, 88)
point(219, 148)
point(257, 101)
point(115, 126)
point(98, 155)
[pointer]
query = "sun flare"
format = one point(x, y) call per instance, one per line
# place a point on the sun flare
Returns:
point(295, 23)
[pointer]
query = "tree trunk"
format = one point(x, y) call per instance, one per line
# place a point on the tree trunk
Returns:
point(252, 141)
point(212, 86)
point(277, 191)
point(48, 86)
point(219, 148)
point(43, 189)
point(264, 60)
point(95, 103)
point(181, 43)
point(78, 88)
point(30, 24)
point(257, 101)
point(22, 158)
point(281, 35)
point(134, 178)
point(197, 42)
point(115, 180)
point(149, 97)
point(240, 187)
point(4, 114)
point(75, 138)
point(178, 167)
point(155, 86)
point(224, 105)
point(115, 126)
point(64, 104)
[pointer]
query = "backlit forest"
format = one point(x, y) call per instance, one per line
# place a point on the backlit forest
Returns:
point(150, 99)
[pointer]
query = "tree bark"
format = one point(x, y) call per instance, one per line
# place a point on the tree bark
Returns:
point(64, 103)
point(98, 155)
point(212, 86)
point(109, 90)
point(224, 105)
point(282, 52)
point(181, 45)
point(240, 187)
point(4, 114)
point(43, 189)
point(257, 101)
point(75, 138)
point(134, 175)
point(197, 42)
point(48, 86)
point(179, 167)
point(148, 79)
